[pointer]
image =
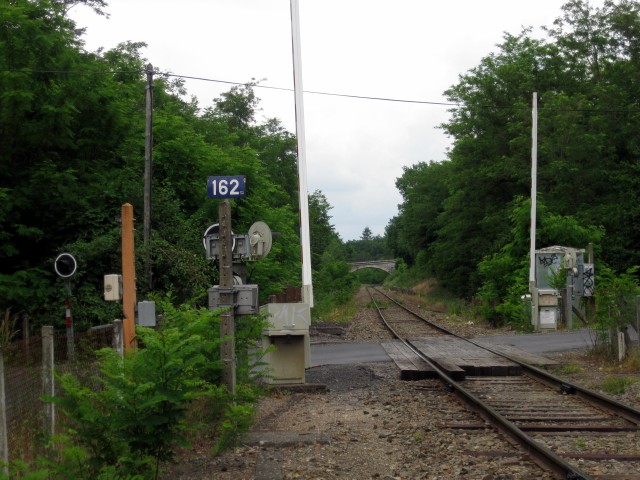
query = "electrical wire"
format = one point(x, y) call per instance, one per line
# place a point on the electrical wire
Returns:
point(331, 94)
point(362, 97)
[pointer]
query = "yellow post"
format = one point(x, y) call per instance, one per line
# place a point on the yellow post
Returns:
point(128, 277)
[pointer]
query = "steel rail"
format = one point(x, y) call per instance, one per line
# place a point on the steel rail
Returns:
point(541, 454)
point(611, 405)
point(627, 412)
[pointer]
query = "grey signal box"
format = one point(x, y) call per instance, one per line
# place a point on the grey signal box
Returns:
point(240, 248)
point(245, 299)
point(147, 313)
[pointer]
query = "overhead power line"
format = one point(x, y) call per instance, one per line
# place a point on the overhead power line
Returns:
point(400, 100)
point(268, 87)
point(333, 94)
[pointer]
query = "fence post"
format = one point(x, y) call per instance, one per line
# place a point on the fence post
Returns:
point(118, 337)
point(48, 387)
point(25, 337)
point(638, 320)
point(4, 443)
point(622, 347)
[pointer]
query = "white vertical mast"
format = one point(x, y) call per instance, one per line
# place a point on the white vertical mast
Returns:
point(307, 288)
point(534, 189)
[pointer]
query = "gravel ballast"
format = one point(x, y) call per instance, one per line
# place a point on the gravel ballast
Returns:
point(369, 424)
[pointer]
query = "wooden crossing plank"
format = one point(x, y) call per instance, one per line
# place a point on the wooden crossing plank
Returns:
point(458, 354)
point(451, 369)
point(458, 358)
point(490, 367)
point(520, 355)
point(411, 366)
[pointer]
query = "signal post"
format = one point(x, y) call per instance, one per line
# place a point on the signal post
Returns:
point(227, 319)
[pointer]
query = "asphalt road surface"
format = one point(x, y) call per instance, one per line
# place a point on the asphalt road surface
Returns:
point(540, 343)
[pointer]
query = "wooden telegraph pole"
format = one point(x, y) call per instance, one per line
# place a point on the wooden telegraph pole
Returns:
point(128, 277)
point(148, 174)
point(227, 326)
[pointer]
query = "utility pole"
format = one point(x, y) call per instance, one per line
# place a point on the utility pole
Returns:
point(533, 288)
point(227, 325)
point(148, 174)
point(128, 277)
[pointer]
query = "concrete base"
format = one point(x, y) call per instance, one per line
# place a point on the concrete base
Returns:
point(300, 387)
point(266, 438)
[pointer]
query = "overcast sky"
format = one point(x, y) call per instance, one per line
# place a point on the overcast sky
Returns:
point(402, 49)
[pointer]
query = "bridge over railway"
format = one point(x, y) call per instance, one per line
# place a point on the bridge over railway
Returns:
point(385, 265)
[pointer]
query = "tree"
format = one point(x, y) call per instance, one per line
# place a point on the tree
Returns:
point(424, 189)
point(586, 75)
point(322, 232)
point(504, 274)
point(72, 153)
point(50, 119)
point(366, 234)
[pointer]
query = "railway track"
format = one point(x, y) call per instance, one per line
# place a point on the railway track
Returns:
point(568, 430)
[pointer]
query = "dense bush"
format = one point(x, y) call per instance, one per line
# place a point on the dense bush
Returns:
point(142, 410)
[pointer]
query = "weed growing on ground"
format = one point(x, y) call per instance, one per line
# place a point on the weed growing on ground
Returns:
point(631, 364)
point(570, 368)
point(617, 385)
point(580, 443)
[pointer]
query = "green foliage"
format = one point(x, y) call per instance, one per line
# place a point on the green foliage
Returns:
point(80, 139)
point(71, 155)
point(580, 443)
point(617, 385)
point(7, 327)
point(371, 276)
point(140, 412)
point(570, 368)
point(423, 190)
point(459, 214)
point(336, 286)
point(323, 234)
point(505, 274)
point(406, 276)
point(369, 247)
point(65, 460)
point(238, 419)
point(616, 294)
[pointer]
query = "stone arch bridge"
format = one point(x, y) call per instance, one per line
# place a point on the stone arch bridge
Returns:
point(386, 265)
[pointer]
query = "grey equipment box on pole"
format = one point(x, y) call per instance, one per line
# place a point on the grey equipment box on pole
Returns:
point(245, 299)
point(147, 313)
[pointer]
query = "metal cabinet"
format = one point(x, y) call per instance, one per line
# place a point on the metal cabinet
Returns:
point(288, 334)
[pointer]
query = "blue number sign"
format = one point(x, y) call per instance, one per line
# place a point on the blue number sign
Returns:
point(227, 187)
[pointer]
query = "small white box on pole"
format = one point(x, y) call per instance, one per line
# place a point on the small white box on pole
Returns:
point(113, 288)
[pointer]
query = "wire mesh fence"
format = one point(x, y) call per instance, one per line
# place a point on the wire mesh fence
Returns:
point(26, 371)
point(23, 392)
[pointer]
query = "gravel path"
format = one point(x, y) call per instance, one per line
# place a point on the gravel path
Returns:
point(371, 425)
